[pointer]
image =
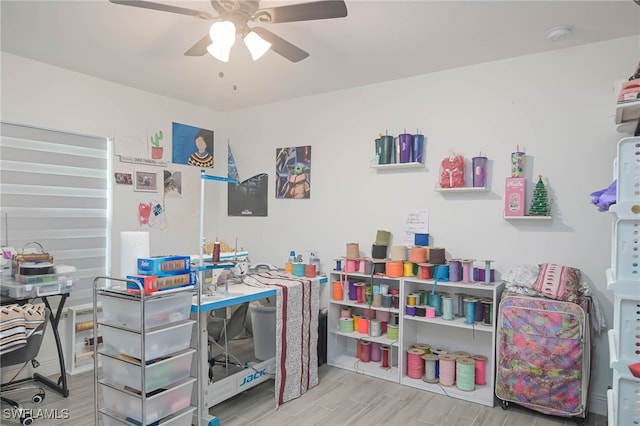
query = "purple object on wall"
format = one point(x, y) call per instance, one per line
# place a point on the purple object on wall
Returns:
point(479, 166)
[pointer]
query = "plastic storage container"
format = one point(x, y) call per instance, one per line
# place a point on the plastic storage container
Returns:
point(157, 375)
point(30, 291)
point(159, 406)
point(158, 343)
point(263, 324)
point(161, 310)
point(180, 419)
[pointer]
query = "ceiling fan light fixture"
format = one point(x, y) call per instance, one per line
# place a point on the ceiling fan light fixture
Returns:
point(223, 36)
point(257, 45)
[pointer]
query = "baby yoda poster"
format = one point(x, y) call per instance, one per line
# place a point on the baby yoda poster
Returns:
point(293, 172)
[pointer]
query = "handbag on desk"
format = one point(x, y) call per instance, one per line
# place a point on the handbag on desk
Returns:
point(32, 263)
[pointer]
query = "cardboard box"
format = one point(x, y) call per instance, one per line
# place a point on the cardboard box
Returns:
point(153, 283)
point(514, 194)
point(164, 265)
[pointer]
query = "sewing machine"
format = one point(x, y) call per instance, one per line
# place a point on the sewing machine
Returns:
point(235, 265)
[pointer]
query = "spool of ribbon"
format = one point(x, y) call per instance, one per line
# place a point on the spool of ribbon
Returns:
point(465, 374)
point(421, 239)
point(385, 361)
point(421, 311)
point(398, 253)
point(363, 325)
point(426, 348)
point(377, 300)
point(392, 332)
point(455, 270)
point(394, 269)
point(408, 269)
point(365, 351)
point(487, 311)
point(345, 313)
point(375, 328)
point(430, 368)
point(467, 264)
point(379, 267)
point(481, 369)
point(418, 254)
point(383, 238)
point(383, 316)
point(337, 291)
point(386, 300)
point(353, 251)
point(379, 251)
point(338, 265)
point(410, 310)
point(447, 308)
point(415, 363)
point(447, 369)
point(441, 273)
point(469, 310)
point(437, 256)
point(346, 325)
point(375, 352)
point(425, 271)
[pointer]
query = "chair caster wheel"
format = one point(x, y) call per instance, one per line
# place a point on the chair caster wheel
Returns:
point(38, 398)
point(26, 420)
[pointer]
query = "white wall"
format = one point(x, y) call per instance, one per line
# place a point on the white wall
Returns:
point(559, 106)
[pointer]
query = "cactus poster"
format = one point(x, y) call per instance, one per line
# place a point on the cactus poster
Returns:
point(293, 172)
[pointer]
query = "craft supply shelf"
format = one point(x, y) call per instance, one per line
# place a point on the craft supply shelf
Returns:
point(623, 275)
point(411, 165)
point(463, 189)
point(454, 335)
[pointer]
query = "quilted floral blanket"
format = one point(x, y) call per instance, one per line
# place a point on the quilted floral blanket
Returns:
point(297, 308)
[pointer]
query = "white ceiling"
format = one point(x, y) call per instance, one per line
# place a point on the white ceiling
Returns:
point(378, 41)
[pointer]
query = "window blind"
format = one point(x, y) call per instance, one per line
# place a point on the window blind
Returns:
point(55, 190)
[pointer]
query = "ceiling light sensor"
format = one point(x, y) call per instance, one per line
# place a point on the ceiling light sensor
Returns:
point(557, 34)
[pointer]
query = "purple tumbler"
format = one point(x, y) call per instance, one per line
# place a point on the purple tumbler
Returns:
point(479, 165)
point(406, 147)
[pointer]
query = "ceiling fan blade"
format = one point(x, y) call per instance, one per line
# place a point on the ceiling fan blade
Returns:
point(164, 8)
point(200, 48)
point(281, 46)
point(303, 12)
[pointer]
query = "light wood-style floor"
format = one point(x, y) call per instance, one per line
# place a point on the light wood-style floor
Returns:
point(341, 398)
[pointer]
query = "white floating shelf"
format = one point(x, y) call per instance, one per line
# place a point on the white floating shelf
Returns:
point(464, 189)
point(528, 217)
point(627, 112)
point(412, 165)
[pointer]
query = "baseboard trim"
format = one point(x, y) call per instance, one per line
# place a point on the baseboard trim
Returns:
point(598, 404)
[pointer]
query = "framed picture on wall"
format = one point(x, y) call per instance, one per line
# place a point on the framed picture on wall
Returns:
point(146, 182)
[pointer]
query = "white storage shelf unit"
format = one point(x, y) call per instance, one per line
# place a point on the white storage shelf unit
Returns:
point(623, 278)
point(342, 346)
point(451, 335)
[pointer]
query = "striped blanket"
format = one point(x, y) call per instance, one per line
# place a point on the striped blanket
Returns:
point(297, 308)
point(17, 323)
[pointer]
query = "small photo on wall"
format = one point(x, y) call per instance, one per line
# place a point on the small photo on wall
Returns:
point(192, 145)
point(123, 178)
point(146, 182)
point(293, 172)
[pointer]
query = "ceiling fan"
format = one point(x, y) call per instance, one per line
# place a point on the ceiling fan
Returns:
point(233, 17)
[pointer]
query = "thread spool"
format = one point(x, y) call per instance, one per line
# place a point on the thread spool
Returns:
point(408, 269)
point(430, 312)
point(467, 265)
point(435, 301)
point(365, 351)
point(375, 328)
point(447, 308)
point(337, 291)
point(461, 354)
point(386, 300)
point(363, 325)
point(469, 304)
point(379, 267)
point(84, 325)
point(426, 348)
point(356, 318)
point(460, 304)
point(437, 352)
point(383, 238)
point(465, 374)
point(430, 368)
point(441, 273)
point(487, 271)
point(410, 310)
point(338, 265)
point(353, 251)
point(411, 300)
point(353, 291)
point(421, 239)
point(360, 292)
point(351, 265)
point(418, 254)
point(379, 251)
point(425, 271)
point(392, 332)
point(298, 269)
point(384, 288)
point(288, 268)
point(375, 352)
point(394, 269)
point(384, 351)
point(415, 364)
point(480, 362)
point(377, 300)
point(383, 316)
point(487, 308)
point(478, 311)
point(421, 311)
point(345, 313)
point(455, 270)
point(89, 341)
point(447, 369)
point(346, 325)
point(398, 253)
point(437, 256)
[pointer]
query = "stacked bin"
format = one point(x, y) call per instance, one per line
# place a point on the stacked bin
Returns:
point(146, 347)
point(623, 279)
